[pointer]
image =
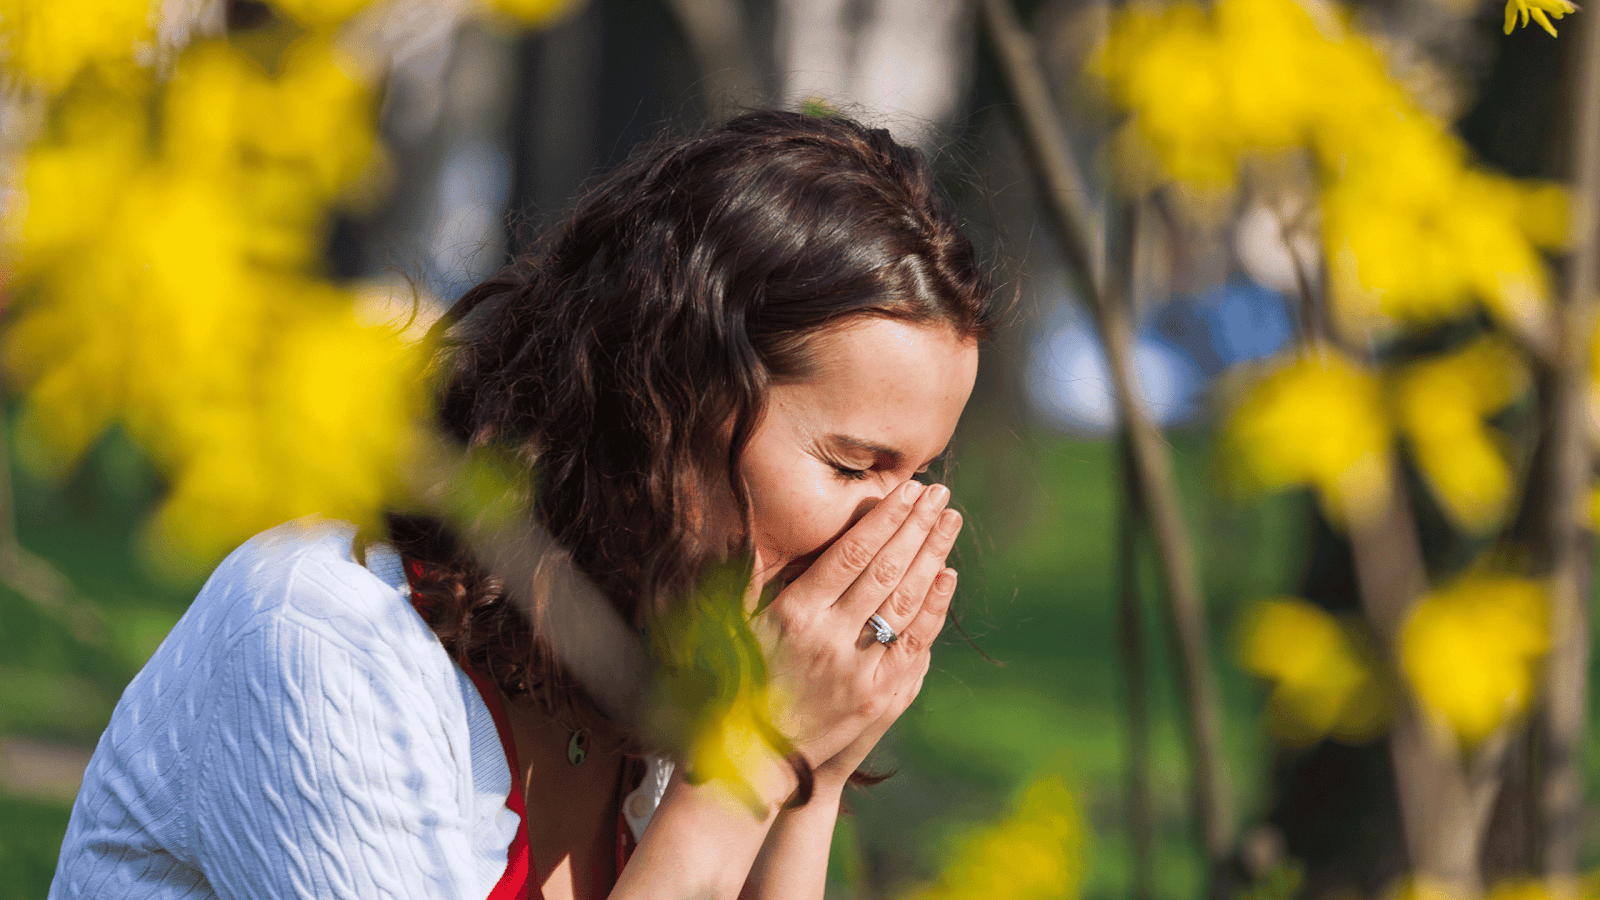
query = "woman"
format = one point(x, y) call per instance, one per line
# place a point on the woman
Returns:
point(742, 346)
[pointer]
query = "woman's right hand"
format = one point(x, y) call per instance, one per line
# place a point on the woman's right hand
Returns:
point(834, 687)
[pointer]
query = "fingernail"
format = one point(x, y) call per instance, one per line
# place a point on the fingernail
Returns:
point(910, 490)
point(946, 581)
point(938, 493)
point(949, 521)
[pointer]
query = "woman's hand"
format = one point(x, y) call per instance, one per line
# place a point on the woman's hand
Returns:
point(836, 689)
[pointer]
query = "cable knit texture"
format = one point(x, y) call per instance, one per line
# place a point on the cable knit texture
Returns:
point(300, 733)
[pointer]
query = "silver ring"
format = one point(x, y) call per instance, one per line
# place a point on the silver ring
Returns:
point(881, 630)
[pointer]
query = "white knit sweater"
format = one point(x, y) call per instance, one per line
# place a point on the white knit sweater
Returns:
point(300, 733)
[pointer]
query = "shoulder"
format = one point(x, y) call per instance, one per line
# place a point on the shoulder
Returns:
point(301, 717)
point(305, 575)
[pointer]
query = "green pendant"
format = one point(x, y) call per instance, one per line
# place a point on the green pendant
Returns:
point(576, 750)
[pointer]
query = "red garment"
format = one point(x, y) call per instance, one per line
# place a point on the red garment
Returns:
point(519, 882)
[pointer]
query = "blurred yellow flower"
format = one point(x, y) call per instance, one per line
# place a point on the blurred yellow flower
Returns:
point(1470, 651)
point(1317, 420)
point(1441, 404)
point(1412, 231)
point(163, 283)
point(1540, 11)
point(710, 704)
point(1418, 236)
point(1323, 683)
point(45, 43)
point(1035, 853)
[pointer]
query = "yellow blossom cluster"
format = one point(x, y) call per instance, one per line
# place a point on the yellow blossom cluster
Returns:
point(1321, 420)
point(1316, 419)
point(46, 42)
point(1541, 11)
point(1034, 853)
point(165, 254)
point(1441, 405)
point(1471, 651)
point(1324, 681)
point(1412, 231)
point(710, 702)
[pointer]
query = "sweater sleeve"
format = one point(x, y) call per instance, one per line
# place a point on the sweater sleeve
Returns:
point(322, 773)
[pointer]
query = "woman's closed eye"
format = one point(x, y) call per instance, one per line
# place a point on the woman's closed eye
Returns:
point(850, 473)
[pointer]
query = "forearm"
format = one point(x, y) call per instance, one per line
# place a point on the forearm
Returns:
point(702, 841)
point(793, 863)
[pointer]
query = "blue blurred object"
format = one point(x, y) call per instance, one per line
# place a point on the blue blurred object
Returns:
point(1229, 324)
point(1183, 345)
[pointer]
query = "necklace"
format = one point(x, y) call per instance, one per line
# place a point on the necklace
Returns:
point(578, 747)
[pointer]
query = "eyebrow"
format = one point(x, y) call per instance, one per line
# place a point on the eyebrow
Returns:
point(893, 457)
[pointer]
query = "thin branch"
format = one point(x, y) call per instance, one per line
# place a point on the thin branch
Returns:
point(1130, 653)
point(1044, 137)
point(1445, 798)
point(1569, 547)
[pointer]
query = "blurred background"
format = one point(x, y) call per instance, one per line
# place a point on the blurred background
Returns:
point(1072, 667)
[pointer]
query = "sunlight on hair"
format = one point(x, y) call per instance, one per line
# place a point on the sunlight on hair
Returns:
point(1035, 853)
point(1471, 651)
point(1324, 681)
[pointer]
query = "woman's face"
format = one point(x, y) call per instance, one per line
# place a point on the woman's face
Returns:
point(880, 404)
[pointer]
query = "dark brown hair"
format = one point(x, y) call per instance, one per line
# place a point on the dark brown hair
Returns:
point(626, 363)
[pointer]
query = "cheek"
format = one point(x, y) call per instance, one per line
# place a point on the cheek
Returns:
point(797, 518)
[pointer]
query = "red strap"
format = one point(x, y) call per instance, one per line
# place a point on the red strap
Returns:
point(518, 882)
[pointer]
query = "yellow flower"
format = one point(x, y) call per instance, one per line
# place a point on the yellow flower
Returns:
point(1318, 420)
point(47, 42)
point(710, 703)
point(1413, 234)
point(163, 283)
point(1471, 650)
point(1441, 405)
point(1323, 682)
point(1034, 853)
point(1538, 10)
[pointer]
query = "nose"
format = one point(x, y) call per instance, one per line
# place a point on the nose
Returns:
point(873, 498)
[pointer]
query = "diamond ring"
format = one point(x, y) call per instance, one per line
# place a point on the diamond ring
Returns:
point(881, 630)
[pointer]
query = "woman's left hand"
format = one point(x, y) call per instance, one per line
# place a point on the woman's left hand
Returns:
point(921, 602)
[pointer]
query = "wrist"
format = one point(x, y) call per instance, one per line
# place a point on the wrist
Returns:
point(828, 791)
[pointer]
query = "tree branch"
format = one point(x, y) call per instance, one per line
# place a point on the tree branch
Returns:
point(1044, 137)
point(1569, 547)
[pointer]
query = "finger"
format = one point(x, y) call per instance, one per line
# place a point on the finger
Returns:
point(839, 565)
point(902, 604)
point(894, 560)
point(925, 628)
